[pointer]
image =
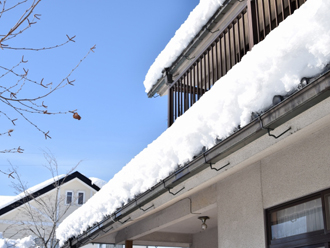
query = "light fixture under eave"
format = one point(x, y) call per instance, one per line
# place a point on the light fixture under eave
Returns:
point(203, 219)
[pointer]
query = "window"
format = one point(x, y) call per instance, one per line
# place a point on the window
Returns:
point(68, 198)
point(81, 198)
point(303, 223)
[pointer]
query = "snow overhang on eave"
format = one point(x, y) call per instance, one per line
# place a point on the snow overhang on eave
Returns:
point(289, 108)
point(162, 85)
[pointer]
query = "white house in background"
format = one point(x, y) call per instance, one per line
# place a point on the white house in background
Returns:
point(245, 161)
point(33, 210)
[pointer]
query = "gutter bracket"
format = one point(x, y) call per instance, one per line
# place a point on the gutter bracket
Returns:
point(213, 168)
point(104, 229)
point(169, 191)
point(92, 238)
point(123, 222)
point(220, 167)
point(271, 129)
point(144, 210)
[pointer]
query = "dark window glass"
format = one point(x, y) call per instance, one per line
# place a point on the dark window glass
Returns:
point(68, 197)
point(80, 198)
point(327, 211)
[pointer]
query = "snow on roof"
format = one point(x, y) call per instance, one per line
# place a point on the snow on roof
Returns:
point(183, 36)
point(98, 182)
point(298, 48)
point(26, 242)
point(4, 199)
point(29, 191)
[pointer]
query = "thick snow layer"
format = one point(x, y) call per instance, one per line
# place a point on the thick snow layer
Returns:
point(298, 48)
point(4, 199)
point(183, 36)
point(27, 242)
point(29, 191)
point(98, 182)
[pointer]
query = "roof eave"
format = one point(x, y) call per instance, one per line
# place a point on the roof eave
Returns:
point(160, 87)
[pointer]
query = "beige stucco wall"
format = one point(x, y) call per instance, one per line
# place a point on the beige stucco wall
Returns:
point(297, 170)
point(206, 238)
point(11, 222)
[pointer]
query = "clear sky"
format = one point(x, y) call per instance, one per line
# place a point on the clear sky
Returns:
point(118, 119)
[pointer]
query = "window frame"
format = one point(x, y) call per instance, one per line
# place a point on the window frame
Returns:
point(66, 197)
point(308, 239)
point(84, 197)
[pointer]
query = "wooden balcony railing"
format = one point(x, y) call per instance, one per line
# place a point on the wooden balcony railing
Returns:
point(249, 27)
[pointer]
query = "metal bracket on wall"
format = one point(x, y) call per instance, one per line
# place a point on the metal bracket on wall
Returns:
point(92, 238)
point(105, 231)
point(123, 222)
point(271, 129)
point(169, 191)
point(144, 210)
point(213, 168)
point(220, 167)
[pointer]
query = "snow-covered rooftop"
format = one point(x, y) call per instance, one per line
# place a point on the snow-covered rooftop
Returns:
point(298, 48)
point(26, 242)
point(4, 199)
point(183, 36)
point(31, 190)
point(98, 182)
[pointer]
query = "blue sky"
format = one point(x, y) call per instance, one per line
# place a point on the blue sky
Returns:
point(118, 119)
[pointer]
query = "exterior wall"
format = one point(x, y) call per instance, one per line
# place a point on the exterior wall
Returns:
point(10, 223)
point(207, 239)
point(297, 170)
point(240, 211)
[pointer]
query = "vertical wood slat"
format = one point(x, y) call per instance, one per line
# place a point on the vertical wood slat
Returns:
point(195, 91)
point(264, 17)
point(251, 43)
point(276, 14)
point(229, 48)
point(282, 5)
point(184, 93)
point(199, 78)
point(270, 16)
point(180, 99)
point(234, 44)
point(289, 6)
point(186, 88)
point(220, 57)
point(175, 101)
point(225, 53)
point(191, 87)
point(169, 108)
point(216, 76)
point(204, 73)
point(239, 39)
point(253, 24)
point(214, 64)
point(258, 21)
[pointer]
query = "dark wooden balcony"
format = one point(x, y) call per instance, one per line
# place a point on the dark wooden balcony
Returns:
point(257, 19)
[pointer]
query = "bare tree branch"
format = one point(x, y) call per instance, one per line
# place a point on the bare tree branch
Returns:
point(40, 215)
point(15, 78)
